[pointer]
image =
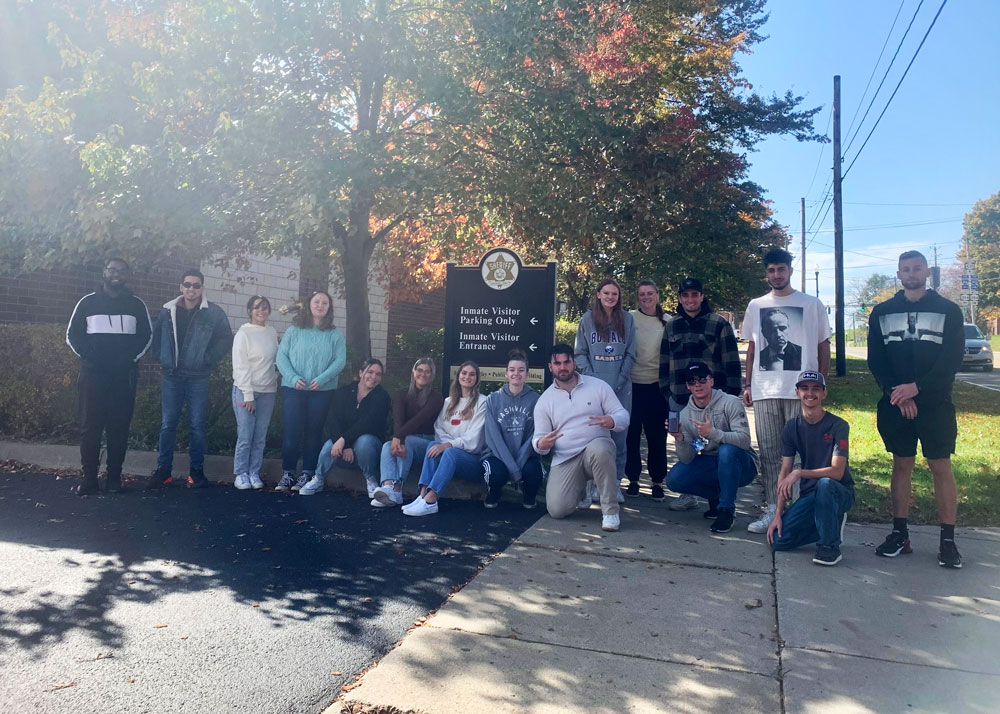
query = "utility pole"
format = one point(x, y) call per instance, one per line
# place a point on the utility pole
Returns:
point(817, 283)
point(802, 205)
point(838, 235)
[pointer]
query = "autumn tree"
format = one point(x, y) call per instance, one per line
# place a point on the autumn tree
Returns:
point(982, 236)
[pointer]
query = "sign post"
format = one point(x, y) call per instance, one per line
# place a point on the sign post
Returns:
point(494, 307)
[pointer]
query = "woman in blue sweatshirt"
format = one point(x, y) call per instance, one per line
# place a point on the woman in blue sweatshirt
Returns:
point(510, 424)
point(311, 357)
point(605, 348)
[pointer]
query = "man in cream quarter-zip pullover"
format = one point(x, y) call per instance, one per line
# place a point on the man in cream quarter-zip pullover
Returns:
point(573, 420)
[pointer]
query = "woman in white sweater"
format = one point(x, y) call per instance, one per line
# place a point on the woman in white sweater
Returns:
point(255, 384)
point(458, 443)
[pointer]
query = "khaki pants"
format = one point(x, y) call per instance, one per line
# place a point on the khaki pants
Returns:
point(564, 488)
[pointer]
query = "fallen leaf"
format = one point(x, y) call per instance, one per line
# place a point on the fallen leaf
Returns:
point(336, 673)
point(304, 520)
point(241, 535)
point(265, 549)
point(62, 685)
point(368, 599)
point(159, 627)
point(130, 680)
point(184, 637)
point(40, 505)
point(132, 582)
point(340, 518)
point(100, 655)
point(256, 604)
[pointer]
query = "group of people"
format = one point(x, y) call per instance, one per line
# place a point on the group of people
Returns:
point(629, 373)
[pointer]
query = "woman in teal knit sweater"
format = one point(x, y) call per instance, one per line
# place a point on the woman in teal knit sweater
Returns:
point(310, 358)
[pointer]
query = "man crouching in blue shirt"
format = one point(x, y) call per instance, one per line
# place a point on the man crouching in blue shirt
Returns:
point(826, 491)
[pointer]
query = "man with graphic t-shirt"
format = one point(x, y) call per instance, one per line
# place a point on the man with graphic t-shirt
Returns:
point(915, 346)
point(826, 490)
point(788, 332)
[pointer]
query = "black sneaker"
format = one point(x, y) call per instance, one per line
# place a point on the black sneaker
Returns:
point(713, 509)
point(114, 485)
point(197, 479)
point(87, 488)
point(723, 521)
point(894, 544)
point(530, 496)
point(633, 488)
point(493, 497)
point(159, 477)
point(948, 555)
point(827, 555)
point(658, 494)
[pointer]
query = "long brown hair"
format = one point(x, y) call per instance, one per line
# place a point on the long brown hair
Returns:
point(602, 324)
point(455, 393)
point(304, 317)
point(422, 394)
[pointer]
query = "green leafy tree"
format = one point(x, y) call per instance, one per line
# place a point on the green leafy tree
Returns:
point(982, 235)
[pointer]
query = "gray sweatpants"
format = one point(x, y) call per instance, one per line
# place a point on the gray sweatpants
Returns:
point(770, 417)
point(564, 489)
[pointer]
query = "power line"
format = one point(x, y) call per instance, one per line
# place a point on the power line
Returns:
point(822, 150)
point(875, 69)
point(884, 76)
point(878, 226)
point(864, 203)
point(898, 85)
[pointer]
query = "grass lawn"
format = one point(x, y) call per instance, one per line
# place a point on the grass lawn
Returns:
point(995, 343)
point(976, 462)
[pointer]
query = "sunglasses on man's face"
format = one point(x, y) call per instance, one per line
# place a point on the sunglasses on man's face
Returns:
point(696, 380)
point(195, 286)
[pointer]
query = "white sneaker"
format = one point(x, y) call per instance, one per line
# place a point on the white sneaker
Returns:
point(313, 486)
point(372, 485)
point(255, 482)
point(761, 524)
point(684, 502)
point(611, 523)
point(242, 482)
point(286, 482)
point(302, 480)
point(420, 507)
point(387, 496)
point(378, 504)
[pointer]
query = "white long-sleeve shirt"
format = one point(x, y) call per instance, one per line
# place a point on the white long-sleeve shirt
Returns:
point(569, 413)
point(254, 350)
point(467, 434)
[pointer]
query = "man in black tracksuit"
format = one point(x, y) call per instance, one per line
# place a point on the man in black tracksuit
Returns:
point(110, 331)
point(915, 346)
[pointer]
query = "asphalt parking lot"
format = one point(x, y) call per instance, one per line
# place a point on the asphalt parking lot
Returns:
point(216, 600)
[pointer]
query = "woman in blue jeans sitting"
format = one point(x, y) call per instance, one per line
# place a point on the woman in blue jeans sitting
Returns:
point(458, 441)
point(356, 427)
point(311, 357)
point(414, 410)
point(255, 385)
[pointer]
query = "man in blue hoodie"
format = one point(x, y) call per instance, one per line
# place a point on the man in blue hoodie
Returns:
point(510, 424)
point(110, 331)
point(190, 337)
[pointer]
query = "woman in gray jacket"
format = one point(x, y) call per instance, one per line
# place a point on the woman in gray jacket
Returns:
point(605, 348)
point(510, 425)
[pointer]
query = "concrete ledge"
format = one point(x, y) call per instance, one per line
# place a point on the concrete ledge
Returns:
point(217, 468)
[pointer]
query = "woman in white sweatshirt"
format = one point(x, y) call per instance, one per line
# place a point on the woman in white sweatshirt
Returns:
point(458, 441)
point(255, 384)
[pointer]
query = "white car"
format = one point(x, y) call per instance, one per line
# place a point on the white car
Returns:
point(978, 352)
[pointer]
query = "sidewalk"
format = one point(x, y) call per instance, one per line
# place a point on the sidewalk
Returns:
point(665, 616)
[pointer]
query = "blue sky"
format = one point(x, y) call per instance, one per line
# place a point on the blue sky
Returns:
point(936, 144)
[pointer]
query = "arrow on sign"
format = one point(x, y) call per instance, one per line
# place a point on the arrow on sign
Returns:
point(533, 321)
point(532, 347)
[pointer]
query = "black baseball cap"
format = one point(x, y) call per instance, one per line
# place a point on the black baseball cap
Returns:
point(811, 375)
point(690, 284)
point(696, 369)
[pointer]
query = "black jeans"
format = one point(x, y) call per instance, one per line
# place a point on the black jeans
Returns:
point(105, 404)
point(649, 412)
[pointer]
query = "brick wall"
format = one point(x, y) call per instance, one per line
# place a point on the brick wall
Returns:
point(409, 316)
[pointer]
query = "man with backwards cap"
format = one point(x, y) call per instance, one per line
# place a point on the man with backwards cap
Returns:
point(826, 490)
point(696, 334)
point(714, 454)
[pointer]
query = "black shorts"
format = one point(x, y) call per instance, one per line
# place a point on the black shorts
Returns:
point(935, 427)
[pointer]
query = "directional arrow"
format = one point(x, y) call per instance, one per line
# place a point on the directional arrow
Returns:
point(533, 321)
point(532, 347)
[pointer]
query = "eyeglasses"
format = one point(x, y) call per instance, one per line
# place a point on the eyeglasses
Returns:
point(696, 380)
point(194, 286)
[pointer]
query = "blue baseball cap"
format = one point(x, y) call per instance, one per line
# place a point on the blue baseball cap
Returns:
point(811, 376)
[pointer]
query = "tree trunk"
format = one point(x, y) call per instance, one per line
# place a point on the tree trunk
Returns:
point(355, 261)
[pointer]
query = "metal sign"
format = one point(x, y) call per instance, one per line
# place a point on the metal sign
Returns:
point(494, 307)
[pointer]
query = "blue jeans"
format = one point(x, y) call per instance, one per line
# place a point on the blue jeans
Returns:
point(366, 448)
point(438, 471)
point(816, 517)
point(303, 414)
point(173, 394)
point(396, 469)
point(251, 432)
point(714, 476)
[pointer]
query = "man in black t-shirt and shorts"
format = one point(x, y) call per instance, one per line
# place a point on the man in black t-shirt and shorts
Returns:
point(826, 490)
point(915, 346)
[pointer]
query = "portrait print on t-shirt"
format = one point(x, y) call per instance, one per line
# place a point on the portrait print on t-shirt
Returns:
point(781, 328)
point(904, 326)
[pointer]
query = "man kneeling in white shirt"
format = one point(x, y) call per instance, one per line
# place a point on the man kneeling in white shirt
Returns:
point(573, 418)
